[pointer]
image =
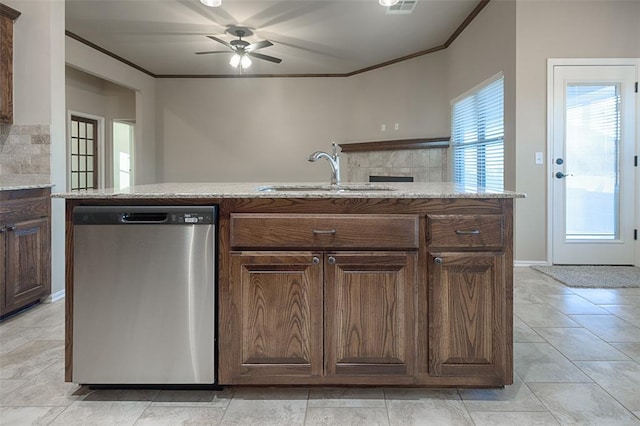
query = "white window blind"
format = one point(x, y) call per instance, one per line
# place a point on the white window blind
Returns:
point(477, 131)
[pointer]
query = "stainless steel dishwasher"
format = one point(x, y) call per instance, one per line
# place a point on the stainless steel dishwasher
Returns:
point(144, 295)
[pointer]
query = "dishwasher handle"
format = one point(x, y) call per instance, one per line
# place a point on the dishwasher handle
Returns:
point(144, 217)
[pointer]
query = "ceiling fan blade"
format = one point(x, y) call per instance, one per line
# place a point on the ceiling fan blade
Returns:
point(213, 51)
point(258, 45)
point(220, 41)
point(265, 57)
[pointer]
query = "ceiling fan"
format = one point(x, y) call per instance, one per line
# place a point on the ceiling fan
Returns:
point(243, 49)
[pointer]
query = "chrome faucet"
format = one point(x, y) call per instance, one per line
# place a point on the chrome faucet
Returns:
point(334, 162)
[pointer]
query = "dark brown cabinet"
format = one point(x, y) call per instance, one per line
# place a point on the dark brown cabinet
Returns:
point(279, 302)
point(369, 315)
point(466, 315)
point(25, 266)
point(469, 301)
point(325, 316)
point(351, 310)
point(7, 16)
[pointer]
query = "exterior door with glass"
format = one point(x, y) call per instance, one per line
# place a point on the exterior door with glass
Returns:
point(593, 140)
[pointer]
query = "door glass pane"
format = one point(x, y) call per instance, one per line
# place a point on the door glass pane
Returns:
point(592, 144)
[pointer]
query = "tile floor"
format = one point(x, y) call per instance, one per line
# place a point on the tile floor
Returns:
point(576, 356)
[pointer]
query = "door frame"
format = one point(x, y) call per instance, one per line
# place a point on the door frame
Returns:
point(551, 63)
point(101, 146)
point(132, 148)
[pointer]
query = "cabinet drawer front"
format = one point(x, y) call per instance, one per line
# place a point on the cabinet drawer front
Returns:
point(465, 231)
point(12, 211)
point(324, 231)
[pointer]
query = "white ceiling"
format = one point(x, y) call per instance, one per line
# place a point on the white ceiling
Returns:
point(310, 36)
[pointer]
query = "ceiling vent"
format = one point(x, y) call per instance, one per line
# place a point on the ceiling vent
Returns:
point(403, 7)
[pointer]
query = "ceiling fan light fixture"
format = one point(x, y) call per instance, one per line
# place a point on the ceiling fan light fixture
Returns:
point(245, 62)
point(385, 3)
point(235, 60)
point(211, 3)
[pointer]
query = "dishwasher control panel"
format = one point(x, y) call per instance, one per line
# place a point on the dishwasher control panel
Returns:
point(191, 218)
point(145, 215)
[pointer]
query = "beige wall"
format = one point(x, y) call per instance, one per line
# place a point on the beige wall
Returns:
point(31, 62)
point(556, 29)
point(409, 93)
point(263, 129)
point(38, 97)
point(485, 48)
point(90, 61)
point(247, 129)
point(87, 94)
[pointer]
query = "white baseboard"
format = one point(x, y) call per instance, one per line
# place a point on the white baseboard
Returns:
point(54, 297)
point(526, 263)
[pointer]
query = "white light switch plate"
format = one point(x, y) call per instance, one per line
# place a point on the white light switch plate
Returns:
point(539, 158)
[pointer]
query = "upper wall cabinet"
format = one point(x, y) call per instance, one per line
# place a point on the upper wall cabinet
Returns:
point(7, 16)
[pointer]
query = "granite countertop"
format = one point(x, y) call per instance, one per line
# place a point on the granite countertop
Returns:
point(13, 186)
point(315, 190)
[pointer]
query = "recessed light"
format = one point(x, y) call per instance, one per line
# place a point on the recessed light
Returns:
point(216, 3)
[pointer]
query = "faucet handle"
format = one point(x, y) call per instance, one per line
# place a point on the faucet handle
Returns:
point(335, 149)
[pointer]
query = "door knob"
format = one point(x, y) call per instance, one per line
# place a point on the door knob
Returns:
point(561, 175)
point(315, 260)
point(438, 261)
point(332, 260)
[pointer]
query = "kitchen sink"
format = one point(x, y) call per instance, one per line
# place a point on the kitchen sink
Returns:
point(325, 188)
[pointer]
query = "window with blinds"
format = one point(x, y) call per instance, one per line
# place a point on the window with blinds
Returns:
point(477, 133)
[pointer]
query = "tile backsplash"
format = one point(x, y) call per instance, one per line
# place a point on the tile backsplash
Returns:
point(25, 153)
point(424, 165)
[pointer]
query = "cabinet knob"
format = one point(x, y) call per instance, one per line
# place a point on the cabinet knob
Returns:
point(332, 260)
point(438, 261)
point(315, 260)
point(3, 230)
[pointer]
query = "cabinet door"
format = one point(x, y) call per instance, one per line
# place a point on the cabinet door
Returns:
point(369, 313)
point(278, 296)
point(27, 258)
point(467, 315)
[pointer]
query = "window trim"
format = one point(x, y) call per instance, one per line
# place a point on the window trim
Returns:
point(101, 146)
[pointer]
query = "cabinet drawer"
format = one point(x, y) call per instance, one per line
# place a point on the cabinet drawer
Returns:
point(324, 231)
point(12, 211)
point(465, 231)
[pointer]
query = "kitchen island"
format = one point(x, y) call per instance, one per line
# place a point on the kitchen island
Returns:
point(394, 284)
